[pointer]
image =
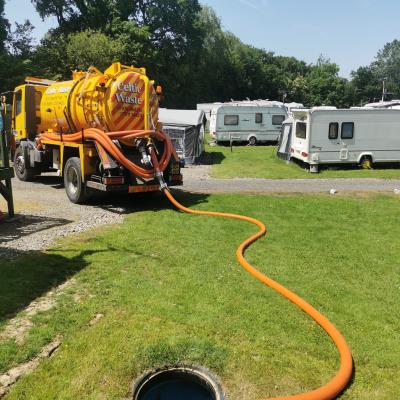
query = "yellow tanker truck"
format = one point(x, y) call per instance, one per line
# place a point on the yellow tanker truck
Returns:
point(99, 131)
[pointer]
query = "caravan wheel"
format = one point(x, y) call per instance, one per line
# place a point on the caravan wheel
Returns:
point(366, 162)
point(252, 141)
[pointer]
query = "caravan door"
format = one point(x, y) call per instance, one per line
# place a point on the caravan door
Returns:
point(301, 141)
point(347, 139)
point(341, 137)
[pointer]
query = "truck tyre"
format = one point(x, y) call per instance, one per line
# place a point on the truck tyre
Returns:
point(366, 162)
point(252, 141)
point(74, 186)
point(23, 172)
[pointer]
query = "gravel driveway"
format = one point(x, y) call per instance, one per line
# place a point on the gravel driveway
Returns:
point(45, 213)
point(197, 179)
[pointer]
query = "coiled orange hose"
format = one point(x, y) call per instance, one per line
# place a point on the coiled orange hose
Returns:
point(343, 376)
point(105, 139)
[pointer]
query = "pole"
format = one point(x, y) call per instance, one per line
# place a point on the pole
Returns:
point(7, 192)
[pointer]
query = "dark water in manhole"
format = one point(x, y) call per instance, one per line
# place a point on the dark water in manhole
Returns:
point(176, 385)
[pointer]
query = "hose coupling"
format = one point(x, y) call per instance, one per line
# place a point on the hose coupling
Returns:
point(160, 177)
point(141, 146)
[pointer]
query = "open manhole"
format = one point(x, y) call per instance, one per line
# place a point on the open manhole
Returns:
point(178, 383)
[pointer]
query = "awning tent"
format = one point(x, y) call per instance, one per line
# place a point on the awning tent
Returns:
point(285, 142)
point(186, 130)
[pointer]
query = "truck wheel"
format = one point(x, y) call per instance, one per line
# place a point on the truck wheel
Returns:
point(366, 162)
point(74, 187)
point(23, 173)
point(252, 141)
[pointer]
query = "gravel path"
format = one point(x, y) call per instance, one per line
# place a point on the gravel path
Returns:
point(197, 179)
point(45, 213)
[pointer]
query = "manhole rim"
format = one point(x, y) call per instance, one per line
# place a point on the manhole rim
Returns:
point(204, 374)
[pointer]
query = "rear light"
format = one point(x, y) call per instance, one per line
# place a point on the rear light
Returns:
point(113, 180)
point(292, 150)
point(176, 169)
point(176, 178)
point(304, 154)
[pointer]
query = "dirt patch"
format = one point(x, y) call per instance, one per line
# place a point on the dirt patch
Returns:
point(18, 327)
point(8, 379)
point(96, 319)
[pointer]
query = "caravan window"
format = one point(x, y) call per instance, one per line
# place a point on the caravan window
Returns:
point(231, 120)
point(301, 130)
point(278, 119)
point(347, 130)
point(333, 130)
point(259, 118)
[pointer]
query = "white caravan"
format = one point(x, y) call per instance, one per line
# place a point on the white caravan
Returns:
point(352, 136)
point(249, 122)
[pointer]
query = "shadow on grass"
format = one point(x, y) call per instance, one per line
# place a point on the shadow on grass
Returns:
point(213, 158)
point(33, 274)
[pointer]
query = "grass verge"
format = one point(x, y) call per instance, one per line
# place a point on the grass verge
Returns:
point(172, 292)
point(262, 162)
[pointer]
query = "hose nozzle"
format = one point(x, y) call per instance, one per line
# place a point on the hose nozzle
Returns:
point(141, 146)
point(158, 174)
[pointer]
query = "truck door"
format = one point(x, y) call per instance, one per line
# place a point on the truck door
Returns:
point(24, 113)
point(18, 116)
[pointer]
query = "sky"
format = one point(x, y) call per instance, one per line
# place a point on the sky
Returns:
point(349, 32)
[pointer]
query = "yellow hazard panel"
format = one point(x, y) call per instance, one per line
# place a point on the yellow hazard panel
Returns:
point(126, 102)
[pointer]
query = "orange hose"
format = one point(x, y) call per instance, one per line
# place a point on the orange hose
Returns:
point(105, 139)
point(343, 376)
point(334, 387)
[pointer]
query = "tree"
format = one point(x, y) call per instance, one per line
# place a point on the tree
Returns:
point(4, 27)
point(324, 86)
point(182, 45)
point(16, 50)
point(366, 87)
point(367, 80)
point(21, 41)
point(92, 48)
point(163, 35)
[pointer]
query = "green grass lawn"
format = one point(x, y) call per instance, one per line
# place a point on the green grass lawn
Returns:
point(171, 291)
point(262, 162)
